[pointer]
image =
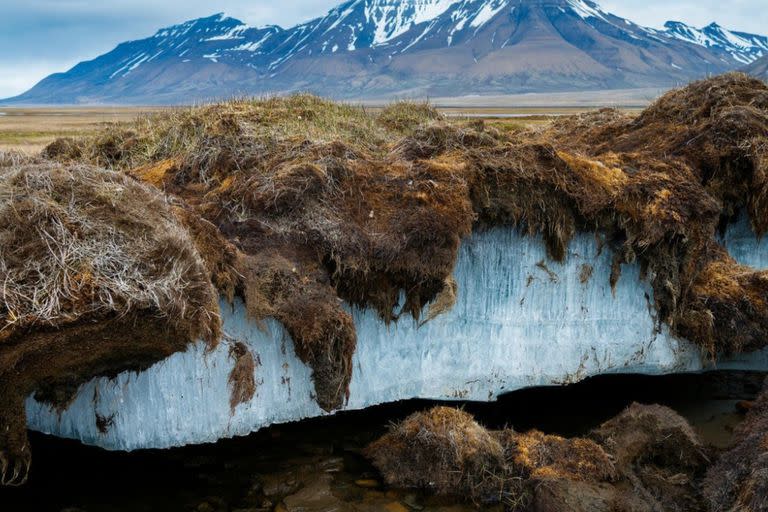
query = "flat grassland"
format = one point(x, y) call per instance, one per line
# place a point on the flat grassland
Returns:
point(31, 129)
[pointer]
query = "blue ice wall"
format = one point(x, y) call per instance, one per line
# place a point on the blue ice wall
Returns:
point(520, 320)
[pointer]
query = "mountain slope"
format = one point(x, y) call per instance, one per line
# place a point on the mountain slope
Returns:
point(415, 47)
point(759, 68)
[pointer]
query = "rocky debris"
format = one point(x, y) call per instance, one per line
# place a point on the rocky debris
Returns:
point(315, 496)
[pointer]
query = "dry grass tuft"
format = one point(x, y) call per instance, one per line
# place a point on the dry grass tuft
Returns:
point(99, 276)
point(405, 116)
point(79, 243)
point(658, 452)
point(546, 457)
point(15, 158)
point(446, 451)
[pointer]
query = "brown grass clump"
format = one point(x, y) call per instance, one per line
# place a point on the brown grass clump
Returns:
point(651, 432)
point(739, 479)
point(716, 127)
point(447, 451)
point(692, 161)
point(99, 276)
point(225, 134)
point(78, 242)
point(64, 148)
point(12, 158)
point(299, 296)
point(405, 116)
point(439, 138)
point(727, 302)
point(539, 456)
point(304, 189)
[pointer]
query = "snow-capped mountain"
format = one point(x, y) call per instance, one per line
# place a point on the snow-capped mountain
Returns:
point(413, 47)
point(743, 47)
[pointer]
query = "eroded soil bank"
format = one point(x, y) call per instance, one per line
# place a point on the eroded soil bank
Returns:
point(317, 465)
point(298, 206)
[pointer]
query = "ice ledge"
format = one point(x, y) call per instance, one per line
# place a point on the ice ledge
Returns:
point(520, 321)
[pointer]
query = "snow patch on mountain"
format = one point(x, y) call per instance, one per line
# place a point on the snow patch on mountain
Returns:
point(586, 9)
point(392, 18)
point(234, 33)
point(744, 48)
point(130, 65)
point(487, 12)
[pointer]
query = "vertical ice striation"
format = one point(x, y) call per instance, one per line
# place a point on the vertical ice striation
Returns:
point(521, 320)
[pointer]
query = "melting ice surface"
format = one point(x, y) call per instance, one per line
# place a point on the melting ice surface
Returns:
point(521, 320)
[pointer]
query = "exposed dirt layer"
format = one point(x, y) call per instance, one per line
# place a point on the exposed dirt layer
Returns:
point(242, 379)
point(646, 459)
point(299, 205)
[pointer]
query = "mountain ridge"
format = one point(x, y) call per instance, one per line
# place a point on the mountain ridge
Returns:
point(374, 48)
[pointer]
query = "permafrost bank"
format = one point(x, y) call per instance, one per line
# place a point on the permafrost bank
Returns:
point(521, 320)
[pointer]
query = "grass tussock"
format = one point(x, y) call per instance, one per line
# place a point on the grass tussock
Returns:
point(237, 132)
point(242, 379)
point(446, 451)
point(647, 458)
point(80, 243)
point(99, 275)
point(540, 457)
point(405, 116)
point(658, 452)
point(14, 158)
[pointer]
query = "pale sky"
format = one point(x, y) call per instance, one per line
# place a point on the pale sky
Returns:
point(39, 37)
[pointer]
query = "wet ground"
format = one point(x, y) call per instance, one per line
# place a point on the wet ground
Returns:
point(315, 466)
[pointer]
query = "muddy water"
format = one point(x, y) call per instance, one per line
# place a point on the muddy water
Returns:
point(315, 466)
